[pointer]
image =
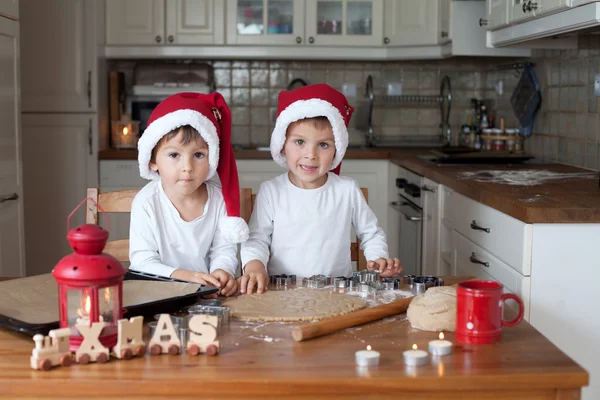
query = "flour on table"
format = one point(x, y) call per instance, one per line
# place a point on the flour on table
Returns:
point(293, 305)
point(524, 177)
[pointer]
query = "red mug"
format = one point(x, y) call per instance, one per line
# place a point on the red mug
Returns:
point(479, 311)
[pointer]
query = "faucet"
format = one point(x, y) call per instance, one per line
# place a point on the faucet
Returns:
point(301, 81)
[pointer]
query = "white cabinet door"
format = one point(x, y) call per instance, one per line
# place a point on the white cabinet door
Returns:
point(344, 23)
point(410, 23)
point(430, 259)
point(265, 22)
point(518, 11)
point(496, 13)
point(135, 22)
point(12, 244)
point(9, 9)
point(60, 161)
point(544, 7)
point(195, 22)
point(58, 55)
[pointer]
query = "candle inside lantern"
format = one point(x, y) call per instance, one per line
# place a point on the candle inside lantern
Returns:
point(124, 133)
point(367, 358)
point(84, 315)
point(415, 356)
point(440, 347)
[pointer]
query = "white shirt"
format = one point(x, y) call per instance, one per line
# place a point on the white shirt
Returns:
point(160, 241)
point(307, 231)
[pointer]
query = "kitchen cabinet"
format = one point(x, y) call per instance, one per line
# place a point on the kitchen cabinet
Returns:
point(165, 22)
point(58, 55)
point(59, 162)
point(519, 11)
point(412, 23)
point(430, 259)
point(300, 22)
point(266, 22)
point(542, 7)
point(9, 9)
point(496, 13)
point(12, 240)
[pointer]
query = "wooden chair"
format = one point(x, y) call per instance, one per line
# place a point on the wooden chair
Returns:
point(247, 205)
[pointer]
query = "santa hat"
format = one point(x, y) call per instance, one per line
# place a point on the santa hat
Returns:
point(311, 101)
point(210, 116)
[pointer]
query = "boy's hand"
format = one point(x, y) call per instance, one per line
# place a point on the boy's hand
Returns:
point(255, 275)
point(387, 267)
point(228, 283)
point(194, 276)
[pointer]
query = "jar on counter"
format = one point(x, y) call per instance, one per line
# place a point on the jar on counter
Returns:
point(511, 143)
point(498, 144)
point(487, 139)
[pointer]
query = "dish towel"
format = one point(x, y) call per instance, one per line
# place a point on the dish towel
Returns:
point(526, 100)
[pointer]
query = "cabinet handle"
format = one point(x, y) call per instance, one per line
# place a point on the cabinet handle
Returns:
point(8, 197)
point(444, 34)
point(524, 7)
point(311, 40)
point(386, 40)
point(298, 39)
point(426, 188)
point(170, 38)
point(483, 22)
point(158, 38)
point(476, 227)
point(474, 260)
point(90, 136)
point(89, 89)
point(532, 6)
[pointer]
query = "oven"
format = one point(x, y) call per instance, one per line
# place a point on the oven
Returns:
point(409, 208)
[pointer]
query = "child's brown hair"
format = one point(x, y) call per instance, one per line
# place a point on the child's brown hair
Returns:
point(321, 123)
point(188, 133)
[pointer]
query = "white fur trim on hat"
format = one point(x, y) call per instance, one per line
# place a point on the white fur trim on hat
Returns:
point(234, 229)
point(309, 109)
point(168, 122)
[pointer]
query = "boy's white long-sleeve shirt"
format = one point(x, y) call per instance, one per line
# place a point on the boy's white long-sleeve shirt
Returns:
point(160, 241)
point(307, 231)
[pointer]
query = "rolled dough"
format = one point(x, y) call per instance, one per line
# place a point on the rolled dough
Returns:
point(299, 304)
point(434, 310)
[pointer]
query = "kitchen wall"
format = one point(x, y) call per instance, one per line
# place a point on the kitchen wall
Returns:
point(251, 89)
point(566, 126)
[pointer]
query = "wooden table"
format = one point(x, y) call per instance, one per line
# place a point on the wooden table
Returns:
point(260, 360)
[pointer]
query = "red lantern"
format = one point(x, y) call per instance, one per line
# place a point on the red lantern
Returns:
point(90, 283)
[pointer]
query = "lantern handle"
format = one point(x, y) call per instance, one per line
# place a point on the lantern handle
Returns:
point(77, 208)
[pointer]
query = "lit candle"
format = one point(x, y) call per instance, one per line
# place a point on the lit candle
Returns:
point(367, 358)
point(440, 347)
point(415, 356)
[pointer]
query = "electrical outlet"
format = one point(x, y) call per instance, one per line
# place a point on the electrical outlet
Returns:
point(394, 89)
point(349, 89)
point(597, 85)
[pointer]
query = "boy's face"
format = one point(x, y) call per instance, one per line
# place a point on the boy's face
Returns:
point(182, 168)
point(309, 152)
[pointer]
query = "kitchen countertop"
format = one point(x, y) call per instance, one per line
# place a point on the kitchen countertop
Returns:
point(560, 201)
point(524, 365)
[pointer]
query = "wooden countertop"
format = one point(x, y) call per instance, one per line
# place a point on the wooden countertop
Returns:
point(561, 201)
point(524, 365)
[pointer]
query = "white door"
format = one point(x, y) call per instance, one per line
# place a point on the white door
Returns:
point(344, 23)
point(519, 11)
point(410, 23)
point(270, 22)
point(544, 7)
point(135, 22)
point(60, 160)
point(12, 245)
point(58, 55)
point(195, 22)
point(430, 259)
point(496, 13)
point(9, 9)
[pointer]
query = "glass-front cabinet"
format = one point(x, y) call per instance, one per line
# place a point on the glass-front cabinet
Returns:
point(255, 22)
point(344, 22)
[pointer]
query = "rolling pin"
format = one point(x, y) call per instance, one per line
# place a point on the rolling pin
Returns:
point(325, 327)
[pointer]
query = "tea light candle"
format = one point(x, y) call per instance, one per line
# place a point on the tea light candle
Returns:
point(440, 347)
point(415, 356)
point(367, 358)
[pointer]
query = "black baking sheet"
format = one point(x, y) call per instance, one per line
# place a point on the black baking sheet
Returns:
point(168, 305)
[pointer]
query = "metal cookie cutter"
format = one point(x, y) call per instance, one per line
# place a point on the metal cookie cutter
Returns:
point(366, 288)
point(314, 282)
point(408, 280)
point(422, 283)
point(390, 284)
point(282, 280)
point(341, 282)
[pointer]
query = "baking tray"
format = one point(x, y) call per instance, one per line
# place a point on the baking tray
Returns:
point(148, 308)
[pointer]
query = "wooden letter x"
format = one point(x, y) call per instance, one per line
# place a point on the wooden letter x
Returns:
point(91, 346)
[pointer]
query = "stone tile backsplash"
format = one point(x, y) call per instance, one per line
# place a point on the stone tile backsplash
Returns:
point(565, 129)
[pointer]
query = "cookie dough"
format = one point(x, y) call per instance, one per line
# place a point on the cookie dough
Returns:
point(434, 310)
